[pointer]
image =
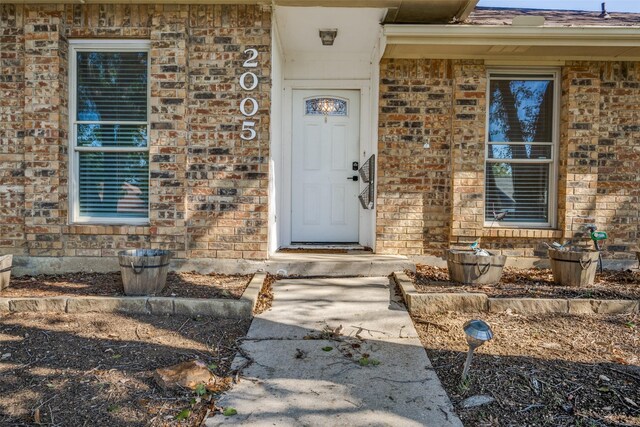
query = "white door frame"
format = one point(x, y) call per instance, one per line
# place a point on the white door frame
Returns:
point(368, 146)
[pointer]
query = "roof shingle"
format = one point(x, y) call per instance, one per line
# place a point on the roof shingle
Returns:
point(553, 18)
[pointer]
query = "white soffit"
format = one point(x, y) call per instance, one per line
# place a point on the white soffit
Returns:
point(526, 43)
point(358, 30)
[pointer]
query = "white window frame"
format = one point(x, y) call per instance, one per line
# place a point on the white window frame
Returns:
point(529, 73)
point(92, 45)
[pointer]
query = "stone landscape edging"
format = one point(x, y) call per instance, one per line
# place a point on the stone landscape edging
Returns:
point(419, 303)
point(241, 308)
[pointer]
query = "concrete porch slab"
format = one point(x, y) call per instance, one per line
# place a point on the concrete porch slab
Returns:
point(366, 306)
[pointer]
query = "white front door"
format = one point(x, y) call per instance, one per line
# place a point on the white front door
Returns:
point(325, 145)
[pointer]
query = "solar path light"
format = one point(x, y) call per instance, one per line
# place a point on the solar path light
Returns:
point(477, 333)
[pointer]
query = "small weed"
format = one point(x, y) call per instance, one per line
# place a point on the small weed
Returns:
point(464, 385)
point(201, 390)
point(366, 361)
point(183, 415)
point(229, 411)
point(327, 348)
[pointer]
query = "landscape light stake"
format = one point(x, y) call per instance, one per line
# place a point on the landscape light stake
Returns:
point(477, 333)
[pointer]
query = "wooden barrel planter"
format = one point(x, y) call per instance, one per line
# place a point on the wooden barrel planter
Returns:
point(467, 267)
point(5, 270)
point(144, 271)
point(576, 267)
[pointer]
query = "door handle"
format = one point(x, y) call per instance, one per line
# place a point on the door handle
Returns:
point(354, 177)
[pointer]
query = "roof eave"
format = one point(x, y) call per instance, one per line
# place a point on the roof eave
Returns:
point(473, 34)
point(484, 42)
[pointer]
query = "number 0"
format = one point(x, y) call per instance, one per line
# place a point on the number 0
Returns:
point(251, 61)
point(254, 108)
point(243, 81)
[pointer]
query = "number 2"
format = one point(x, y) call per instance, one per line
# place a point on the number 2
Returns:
point(251, 61)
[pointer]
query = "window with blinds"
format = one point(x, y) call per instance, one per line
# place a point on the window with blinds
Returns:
point(520, 149)
point(109, 130)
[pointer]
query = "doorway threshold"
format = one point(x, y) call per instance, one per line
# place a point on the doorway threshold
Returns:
point(328, 248)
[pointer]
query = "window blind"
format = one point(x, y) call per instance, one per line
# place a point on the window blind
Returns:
point(111, 134)
point(113, 184)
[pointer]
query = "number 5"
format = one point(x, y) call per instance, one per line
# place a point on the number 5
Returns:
point(248, 126)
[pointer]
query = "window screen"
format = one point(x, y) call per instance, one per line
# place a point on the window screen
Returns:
point(111, 135)
point(520, 148)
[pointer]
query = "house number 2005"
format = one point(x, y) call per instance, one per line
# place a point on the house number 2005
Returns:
point(249, 105)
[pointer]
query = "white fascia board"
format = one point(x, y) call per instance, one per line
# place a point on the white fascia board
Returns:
point(472, 35)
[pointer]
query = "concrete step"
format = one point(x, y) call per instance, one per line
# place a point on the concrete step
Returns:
point(337, 265)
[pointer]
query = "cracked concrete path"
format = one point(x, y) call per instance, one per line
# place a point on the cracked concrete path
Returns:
point(294, 379)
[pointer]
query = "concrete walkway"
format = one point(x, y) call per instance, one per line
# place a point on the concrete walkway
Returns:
point(292, 381)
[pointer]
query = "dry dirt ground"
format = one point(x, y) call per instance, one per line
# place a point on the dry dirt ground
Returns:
point(96, 369)
point(533, 283)
point(185, 285)
point(542, 370)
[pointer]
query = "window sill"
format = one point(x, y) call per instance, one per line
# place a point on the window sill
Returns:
point(534, 233)
point(143, 222)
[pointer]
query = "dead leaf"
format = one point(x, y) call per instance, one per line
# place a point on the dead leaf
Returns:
point(630, 402)
point(620, 360)
point(36, 416)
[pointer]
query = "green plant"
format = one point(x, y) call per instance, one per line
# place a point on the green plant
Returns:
point(464, 385)
point(201, 389)
point(183, 415)
point(366, 361)
point(229, 411)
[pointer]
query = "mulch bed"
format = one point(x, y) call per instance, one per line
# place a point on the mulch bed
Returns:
point(184, 285)
point(542, 370)
point(533, 283)
point(96, 369)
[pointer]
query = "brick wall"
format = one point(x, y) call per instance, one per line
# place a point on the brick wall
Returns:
point(208, 188)
point(432, 199)
point(618, 153)
point(414, 200)
point(12, 132)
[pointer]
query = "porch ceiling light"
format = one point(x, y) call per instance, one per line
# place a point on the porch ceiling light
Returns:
point(477, 333)
point(328, 36)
